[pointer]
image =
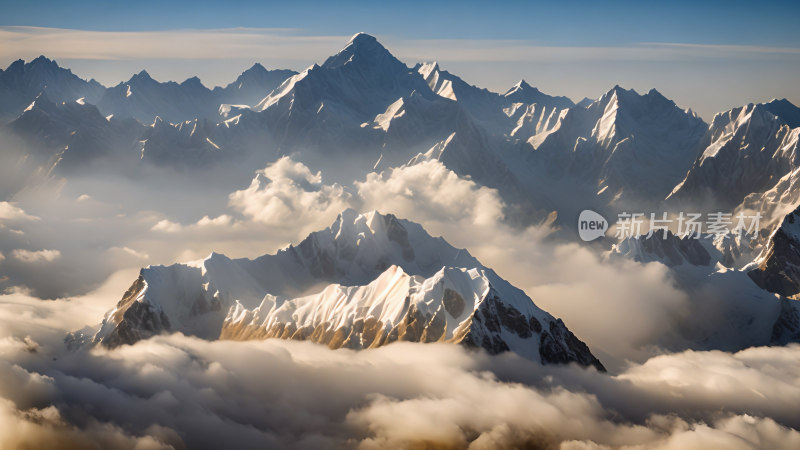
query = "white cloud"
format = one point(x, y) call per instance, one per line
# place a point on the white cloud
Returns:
point(130, 252)
point(11, 212)
point(199, 394)
point(285, 44)
point(177, 44)
point(287, 195)
point(430, 190)
point(35, 256)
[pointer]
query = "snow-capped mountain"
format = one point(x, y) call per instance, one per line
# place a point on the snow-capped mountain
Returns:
point(624, 146)
point(750, 150)
point(252, 85)
point(22, 82)
point(513, 113)
point(522, 92)
point(532, 119)
point(366, 281)
point(144, 98)
point(334, 105)
point(71, 135)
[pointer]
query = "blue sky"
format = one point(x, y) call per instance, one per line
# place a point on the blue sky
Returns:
point(738, 51)
point(555, 22)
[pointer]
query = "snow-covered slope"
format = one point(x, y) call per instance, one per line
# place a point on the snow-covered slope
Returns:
point(532, 119)
point(348, 103)
point(144, 98)
point(252, 85)
point(750, 150)
point(522, 92)
point(483, 105)
point(22, 82)
point(367, 280)
point(522, 112)
point(623, 146)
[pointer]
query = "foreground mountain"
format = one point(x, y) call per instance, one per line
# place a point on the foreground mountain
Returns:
point(366, 281)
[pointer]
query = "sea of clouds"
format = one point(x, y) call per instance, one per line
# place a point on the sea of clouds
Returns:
point(70, 248)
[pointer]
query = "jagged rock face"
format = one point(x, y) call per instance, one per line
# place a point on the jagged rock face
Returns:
point(750, 150)
point(672, 250)
point(616, 154)
point(777, 269)
point(454, 306)
point(391, 285)
point(135, 320)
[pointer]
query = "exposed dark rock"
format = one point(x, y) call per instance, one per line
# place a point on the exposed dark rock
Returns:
point(778, 270)
point(787, 326)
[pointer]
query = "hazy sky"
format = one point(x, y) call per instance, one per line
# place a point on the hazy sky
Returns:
point(710, 56)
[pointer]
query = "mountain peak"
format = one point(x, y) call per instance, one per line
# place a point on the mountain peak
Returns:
point(41, 59)
point(193, 81)
point(256, 68)
point(785, 110)
point(522, 92)
point(361, 47)
point(143, 75)
point(16, 65)
point(522, 84)
point(426, 69)
point(361, 37)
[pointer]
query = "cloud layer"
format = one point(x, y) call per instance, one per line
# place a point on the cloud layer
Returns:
point(181, 392)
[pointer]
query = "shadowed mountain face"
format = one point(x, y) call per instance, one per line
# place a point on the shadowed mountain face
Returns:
point(362, 106)
point(777, 268)
point(391, 281)
point(22, 82)
point(141, 97)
